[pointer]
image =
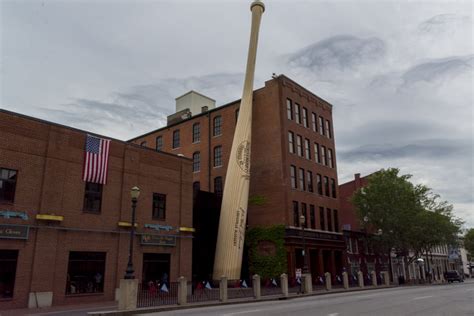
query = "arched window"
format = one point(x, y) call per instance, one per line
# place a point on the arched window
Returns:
point(218, 156)
point(196, 161)
point(217, 126)
point(159, 143)
point(196, 133)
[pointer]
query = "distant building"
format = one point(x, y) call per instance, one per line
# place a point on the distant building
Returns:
point(361, 257)
point(66, 241)
point(293, 164)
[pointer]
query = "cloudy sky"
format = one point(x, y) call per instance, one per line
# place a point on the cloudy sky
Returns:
point(399, 73)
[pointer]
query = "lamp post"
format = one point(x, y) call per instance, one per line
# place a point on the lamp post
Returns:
point(134, 193)
point(303, 223)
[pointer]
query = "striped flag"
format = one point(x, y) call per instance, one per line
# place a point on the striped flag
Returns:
point(96, 159)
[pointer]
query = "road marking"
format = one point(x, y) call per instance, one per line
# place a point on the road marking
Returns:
point(244, 312)
point(422, 297)
point(333, 314)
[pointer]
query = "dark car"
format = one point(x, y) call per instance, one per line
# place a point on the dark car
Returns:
point(452, 276)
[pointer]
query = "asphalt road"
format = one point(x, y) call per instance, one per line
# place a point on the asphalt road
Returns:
point(450, 299)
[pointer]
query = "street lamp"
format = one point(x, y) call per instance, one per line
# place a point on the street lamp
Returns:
point(303, 223)
point(134, 193)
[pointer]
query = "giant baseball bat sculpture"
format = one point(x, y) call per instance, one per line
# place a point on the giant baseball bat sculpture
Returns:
point(230, 239)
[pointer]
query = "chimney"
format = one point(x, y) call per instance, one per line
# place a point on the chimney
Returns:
point(357, 180)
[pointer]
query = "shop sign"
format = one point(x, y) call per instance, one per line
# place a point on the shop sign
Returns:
point(159, 227)
point(14, 231)
point(157, 240)
point(13, 214)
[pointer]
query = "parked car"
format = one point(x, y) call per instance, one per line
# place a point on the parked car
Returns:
point(452, 276)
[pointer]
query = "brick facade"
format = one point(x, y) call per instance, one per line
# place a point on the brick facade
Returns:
point(49, 160)
point(270, 166)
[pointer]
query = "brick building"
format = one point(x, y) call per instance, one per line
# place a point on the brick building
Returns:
point(361, 255)
point(293, 163)
point(65, 241)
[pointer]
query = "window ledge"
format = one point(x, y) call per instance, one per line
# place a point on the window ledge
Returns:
point(6, 299)
point(84, 294)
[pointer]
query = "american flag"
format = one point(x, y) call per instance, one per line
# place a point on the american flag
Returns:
point(96, 159)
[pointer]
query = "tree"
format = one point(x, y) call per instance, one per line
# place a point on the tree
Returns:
point(469, 242)
point(409, 218)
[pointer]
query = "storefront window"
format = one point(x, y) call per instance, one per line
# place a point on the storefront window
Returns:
point(85, 272)
point(8, 260)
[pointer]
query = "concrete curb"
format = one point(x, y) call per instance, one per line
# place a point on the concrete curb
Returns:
point(156, 309)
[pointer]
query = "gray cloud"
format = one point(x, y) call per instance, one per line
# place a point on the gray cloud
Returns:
point(343, 52)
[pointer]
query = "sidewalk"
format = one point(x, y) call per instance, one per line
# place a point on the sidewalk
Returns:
point(69, 310)
point(164, 308)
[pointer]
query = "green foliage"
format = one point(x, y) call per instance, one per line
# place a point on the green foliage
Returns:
point(257, 200)
point(267, 266)
point(469, 242)
point(408, 216)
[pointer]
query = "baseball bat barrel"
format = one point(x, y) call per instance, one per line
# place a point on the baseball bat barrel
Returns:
point(233, 217)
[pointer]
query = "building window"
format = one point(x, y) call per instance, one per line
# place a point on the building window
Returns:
point(92, 197)
point(143, 143)
point(176, 142)
point(326, 186)
point(85, 272)
point(289, 109)
point(291, 142)
point(299, 145)
point(321, 125)
point(196, 161)
point(7, 184)
point(305, 117)
point(336, 221)
point(159, 206)
point(8, 263)
point(312, 219)
point(218, 156)
point(196, 188)
point(296, 217)
point(218, 186)
point(297, 113)
point(330, 161)
point(319, 184)
point(301, 177)
point(159, 143)
point(310, 181)
point(196, 133)
point(329, 219)
point(313, 122)
point(349, 244)
point(323, 155)
point(293, 177)
point(355, 246)
point(316, 153)
point(307, 148)
point(328, 129)
point(217, 126)
point(303, 212)
point(333, 188)
point(321, 218)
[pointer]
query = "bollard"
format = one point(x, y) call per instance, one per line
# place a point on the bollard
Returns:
point(360, 278)
point(386, 278)
point(256, 286)
point(327, 275)
point(223, 289)
point(307, 283)
point(182, 290)
point(345, 280)
point(128, 294)
point(373, 275)
point(284, 284)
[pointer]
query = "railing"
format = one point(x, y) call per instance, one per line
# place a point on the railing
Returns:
point(239, 289)
point(204, 291)
point(156, 294)
point(270, 287)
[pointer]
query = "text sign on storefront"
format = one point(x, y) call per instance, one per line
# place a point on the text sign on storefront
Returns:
point(14, 231)
point(158, 240)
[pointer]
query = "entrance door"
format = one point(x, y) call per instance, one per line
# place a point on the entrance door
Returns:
point(156, 267)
